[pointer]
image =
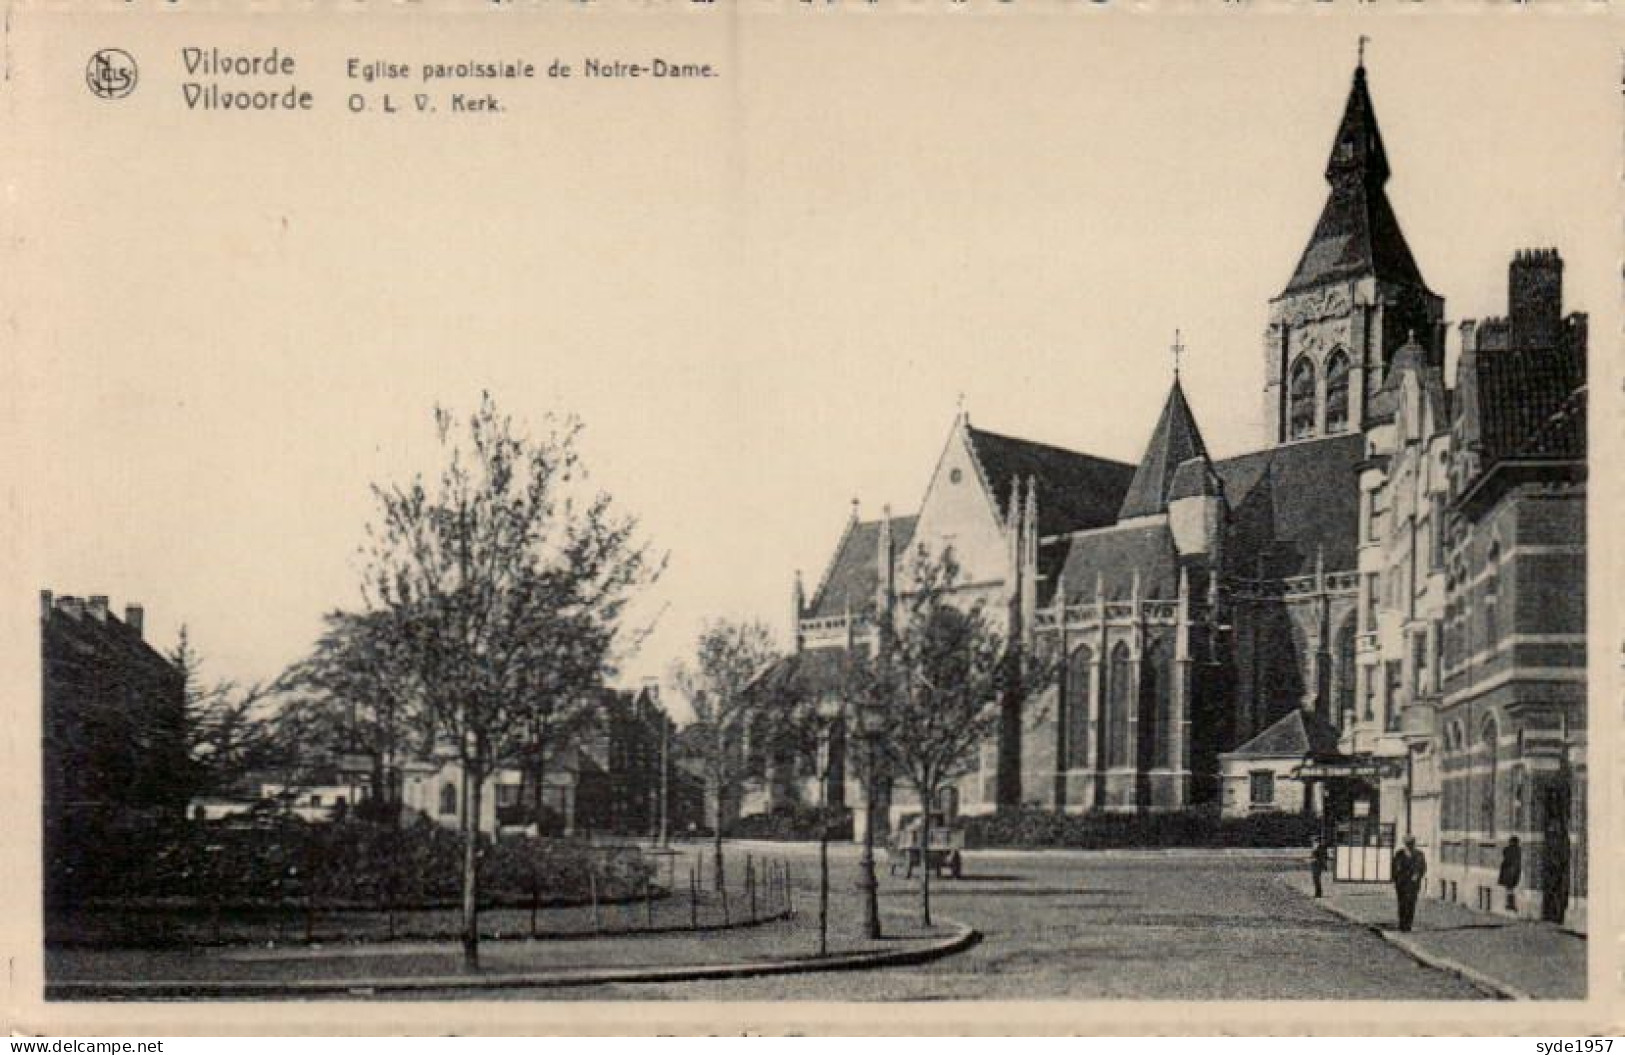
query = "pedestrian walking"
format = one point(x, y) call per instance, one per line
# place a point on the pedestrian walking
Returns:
point(1511, 871)
point(1317, 863)
point(1408, 869)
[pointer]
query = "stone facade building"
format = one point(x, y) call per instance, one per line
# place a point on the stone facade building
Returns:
point(1377, 616)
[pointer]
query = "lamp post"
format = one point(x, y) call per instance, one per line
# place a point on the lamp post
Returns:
point(869, 720)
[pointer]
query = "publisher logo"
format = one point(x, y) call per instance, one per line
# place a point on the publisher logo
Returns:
point(111, 73)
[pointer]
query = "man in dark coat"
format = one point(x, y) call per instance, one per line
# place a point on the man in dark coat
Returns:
point(1317, 863)
point(1408, 870)
point(1511, 871)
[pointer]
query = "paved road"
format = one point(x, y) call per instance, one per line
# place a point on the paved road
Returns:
point(1185, 926)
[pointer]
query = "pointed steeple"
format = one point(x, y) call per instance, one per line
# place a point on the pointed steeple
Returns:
point(1176, 439)
point(1358, 233)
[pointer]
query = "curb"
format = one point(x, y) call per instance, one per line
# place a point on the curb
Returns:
point(962, 938)
point(1499, 989)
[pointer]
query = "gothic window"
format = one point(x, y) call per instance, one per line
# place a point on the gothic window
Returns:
point(1155, 747)
point(1301, 400)
point(1080, 679)
point(1120, 692)
point(448, 800)
point(1337, 392)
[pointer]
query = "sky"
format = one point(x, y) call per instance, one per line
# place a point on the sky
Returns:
point(765, 293)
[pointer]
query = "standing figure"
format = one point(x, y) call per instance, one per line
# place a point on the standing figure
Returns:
point(1511, 871)
point(1317, 862)
point(1409, 868)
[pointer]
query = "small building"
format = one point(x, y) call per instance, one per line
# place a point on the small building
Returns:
point(1264, 775)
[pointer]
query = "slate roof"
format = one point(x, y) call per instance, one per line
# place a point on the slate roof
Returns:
point(1296, 734)
point(1288, 502)
point(1518, 392)
point(1358, 233)
point(1111, 556)
point(817, 670)
point(1175, 440)
point(1075, 491)
point(1564, 433)
point(854, 572)
point(1195, 478)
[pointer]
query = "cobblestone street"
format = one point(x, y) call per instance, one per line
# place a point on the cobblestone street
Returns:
point(1133, 926)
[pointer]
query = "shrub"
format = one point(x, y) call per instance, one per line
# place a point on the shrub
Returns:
point(794, 823)
point(1030, 828)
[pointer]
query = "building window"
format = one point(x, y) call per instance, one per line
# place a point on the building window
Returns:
point(1492, 597)
point(1370, 712)
point(1373, 599)
point(1337, 392)
point(1261, 788)
point(1491, 735)
point(507, 796)
point(1120, 689)
point(448, 800)
point(1419, 665)
point(1301, 399)
point(1395, 685)
point(1080, 679)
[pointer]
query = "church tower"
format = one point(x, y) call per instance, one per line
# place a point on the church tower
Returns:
point(1354, 299)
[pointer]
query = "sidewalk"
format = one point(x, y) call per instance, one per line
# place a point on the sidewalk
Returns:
point(1520, 959)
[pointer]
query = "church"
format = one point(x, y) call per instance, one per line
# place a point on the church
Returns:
point(1225, 622)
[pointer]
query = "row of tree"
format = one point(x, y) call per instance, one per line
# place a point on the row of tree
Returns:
point(924, 694)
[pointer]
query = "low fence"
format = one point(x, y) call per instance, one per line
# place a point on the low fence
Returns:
point(669, 891)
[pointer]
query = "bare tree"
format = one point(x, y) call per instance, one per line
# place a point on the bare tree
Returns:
point(728, 657)
point(933, 686)
point(483, 572)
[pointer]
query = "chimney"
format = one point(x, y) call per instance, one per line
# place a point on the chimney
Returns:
point(1535, 299)
point(45, 604)
point(98, 607)
point(134, 618)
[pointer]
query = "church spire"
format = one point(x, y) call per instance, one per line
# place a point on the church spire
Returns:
point(1175, 440)
point(1358, 234)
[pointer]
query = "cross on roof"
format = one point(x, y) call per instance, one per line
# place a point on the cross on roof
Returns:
point(1178, 349)
point(1364, 40)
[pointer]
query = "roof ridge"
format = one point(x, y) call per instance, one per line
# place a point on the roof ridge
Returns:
point(1049, 446)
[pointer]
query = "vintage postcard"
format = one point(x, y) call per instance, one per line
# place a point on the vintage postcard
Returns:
point(1001, 516)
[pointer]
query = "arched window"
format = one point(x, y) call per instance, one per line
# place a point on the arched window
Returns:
point(1492, 597)
point(1337, 392)
point(1080, 681)
point(1120, 692)
point(1155, 748)
point(448, 800)
point(1301, 400)
point(1491, 735)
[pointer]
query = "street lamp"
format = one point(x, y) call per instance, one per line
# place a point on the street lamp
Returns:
point(869, 720)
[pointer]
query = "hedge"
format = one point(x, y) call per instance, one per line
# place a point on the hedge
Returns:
point(348, 863)
point(794, 824)
point(1037, 829)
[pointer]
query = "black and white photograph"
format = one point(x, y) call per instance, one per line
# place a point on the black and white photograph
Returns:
point(836, 507)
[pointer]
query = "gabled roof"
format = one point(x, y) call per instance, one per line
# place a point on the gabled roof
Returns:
point(1358, 233)
point(1174, 441)
point(854, 571)
point(1290, 503)
point(1075, 491)
point(1297, 734)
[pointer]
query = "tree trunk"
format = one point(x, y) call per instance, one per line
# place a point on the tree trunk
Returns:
point(471, 871)
point(927, 795)
point(823, 890)
point(716, 836)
